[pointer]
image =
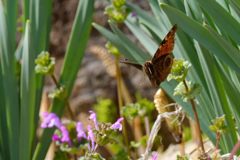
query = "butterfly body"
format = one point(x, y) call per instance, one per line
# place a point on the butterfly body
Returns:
point(158, 68)
point(157, 72)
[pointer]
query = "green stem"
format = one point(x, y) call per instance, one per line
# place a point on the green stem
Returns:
point(68, 105)
point(195, 118)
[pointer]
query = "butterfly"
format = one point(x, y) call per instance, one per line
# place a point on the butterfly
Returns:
point(159, 67)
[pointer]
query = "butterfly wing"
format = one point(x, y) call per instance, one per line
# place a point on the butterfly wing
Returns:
point(166, 46)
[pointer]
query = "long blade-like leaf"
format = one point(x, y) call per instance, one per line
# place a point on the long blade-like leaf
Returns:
point(214, 42)
point(221, 18)
point(27, 95)
point(9, 79)
point(74, 55)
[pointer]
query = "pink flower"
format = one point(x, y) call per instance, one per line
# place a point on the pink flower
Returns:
point(117, 125)
point(55, 138)
point(93, 117)
point(50, 120)
point(80, 132)
point(91, 138)
point(154, 155)
point(65, 135)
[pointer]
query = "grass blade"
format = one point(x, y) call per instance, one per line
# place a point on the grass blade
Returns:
point(221, 18)
point(198, 32)
point(77, 44)
point(7, 62)
point(27, 96)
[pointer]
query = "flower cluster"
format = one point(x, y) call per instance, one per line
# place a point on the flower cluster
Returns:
point(117, 11)
point(51, 120)
point(62, 135)
point(44, 63)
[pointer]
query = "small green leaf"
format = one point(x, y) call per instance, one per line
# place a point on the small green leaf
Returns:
point(118, 3)
point(58, 93)
point(218, 124)
point(117, 15)
point(112, 49)
point(44, 63)
point(179, 70)
point(193, 91)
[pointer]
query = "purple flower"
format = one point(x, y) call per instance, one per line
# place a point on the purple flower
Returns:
point(91, 138)
point(93, 117)
point(154, 155)
point(117, 125)
point(55, 138)
point(133, 14)
point(65, 135)
point(50, 120)
point(80, 132)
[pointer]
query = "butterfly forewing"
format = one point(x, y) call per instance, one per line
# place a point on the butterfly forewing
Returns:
point(166, 46)
point(160, 66)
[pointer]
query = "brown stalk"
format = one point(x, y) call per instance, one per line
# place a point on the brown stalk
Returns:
point(70, 112)
point(198, 128)
point(120, 101)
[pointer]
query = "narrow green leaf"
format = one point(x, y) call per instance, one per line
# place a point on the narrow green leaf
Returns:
point(27, 96)
point(74, 54)
point(127, 49)
point(210, 40)
point(221, 18)
point(8, 67)
point(114, 40)
point(39, 12)
point(145, 40)
point(132, 49)
point(218, 95)
point(145, 18)
point(4, 145)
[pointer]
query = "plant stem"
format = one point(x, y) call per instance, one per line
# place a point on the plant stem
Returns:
point(147, 125)
point(196, 119)
point(218, 136)
point(120, 101)
point(234, 150)
point(67, 103)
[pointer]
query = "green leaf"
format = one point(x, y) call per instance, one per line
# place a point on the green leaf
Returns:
point(27, 96)
point(74, 54)
point(221, 18)
point(145, 40)
point(9, 80)
point(210, 40)
point(131, 47)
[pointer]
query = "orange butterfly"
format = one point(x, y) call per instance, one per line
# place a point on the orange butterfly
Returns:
point(160, 65)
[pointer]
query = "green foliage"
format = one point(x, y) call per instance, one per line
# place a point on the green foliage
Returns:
point(106, 135)
point(117, 11)
point(187, 134)
point(143, 107)
point(218, 124)
point(141, 142)
point(92, 156)
point(130, 111)
point(193, 91)
point(106, 110)
point(112, 49)
point(118, 3)
point(21, 87)
point(44, 63)
point(58, 93)
point(121, 155)
point(207, 37)
point(179, 70)
point(182, 157)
